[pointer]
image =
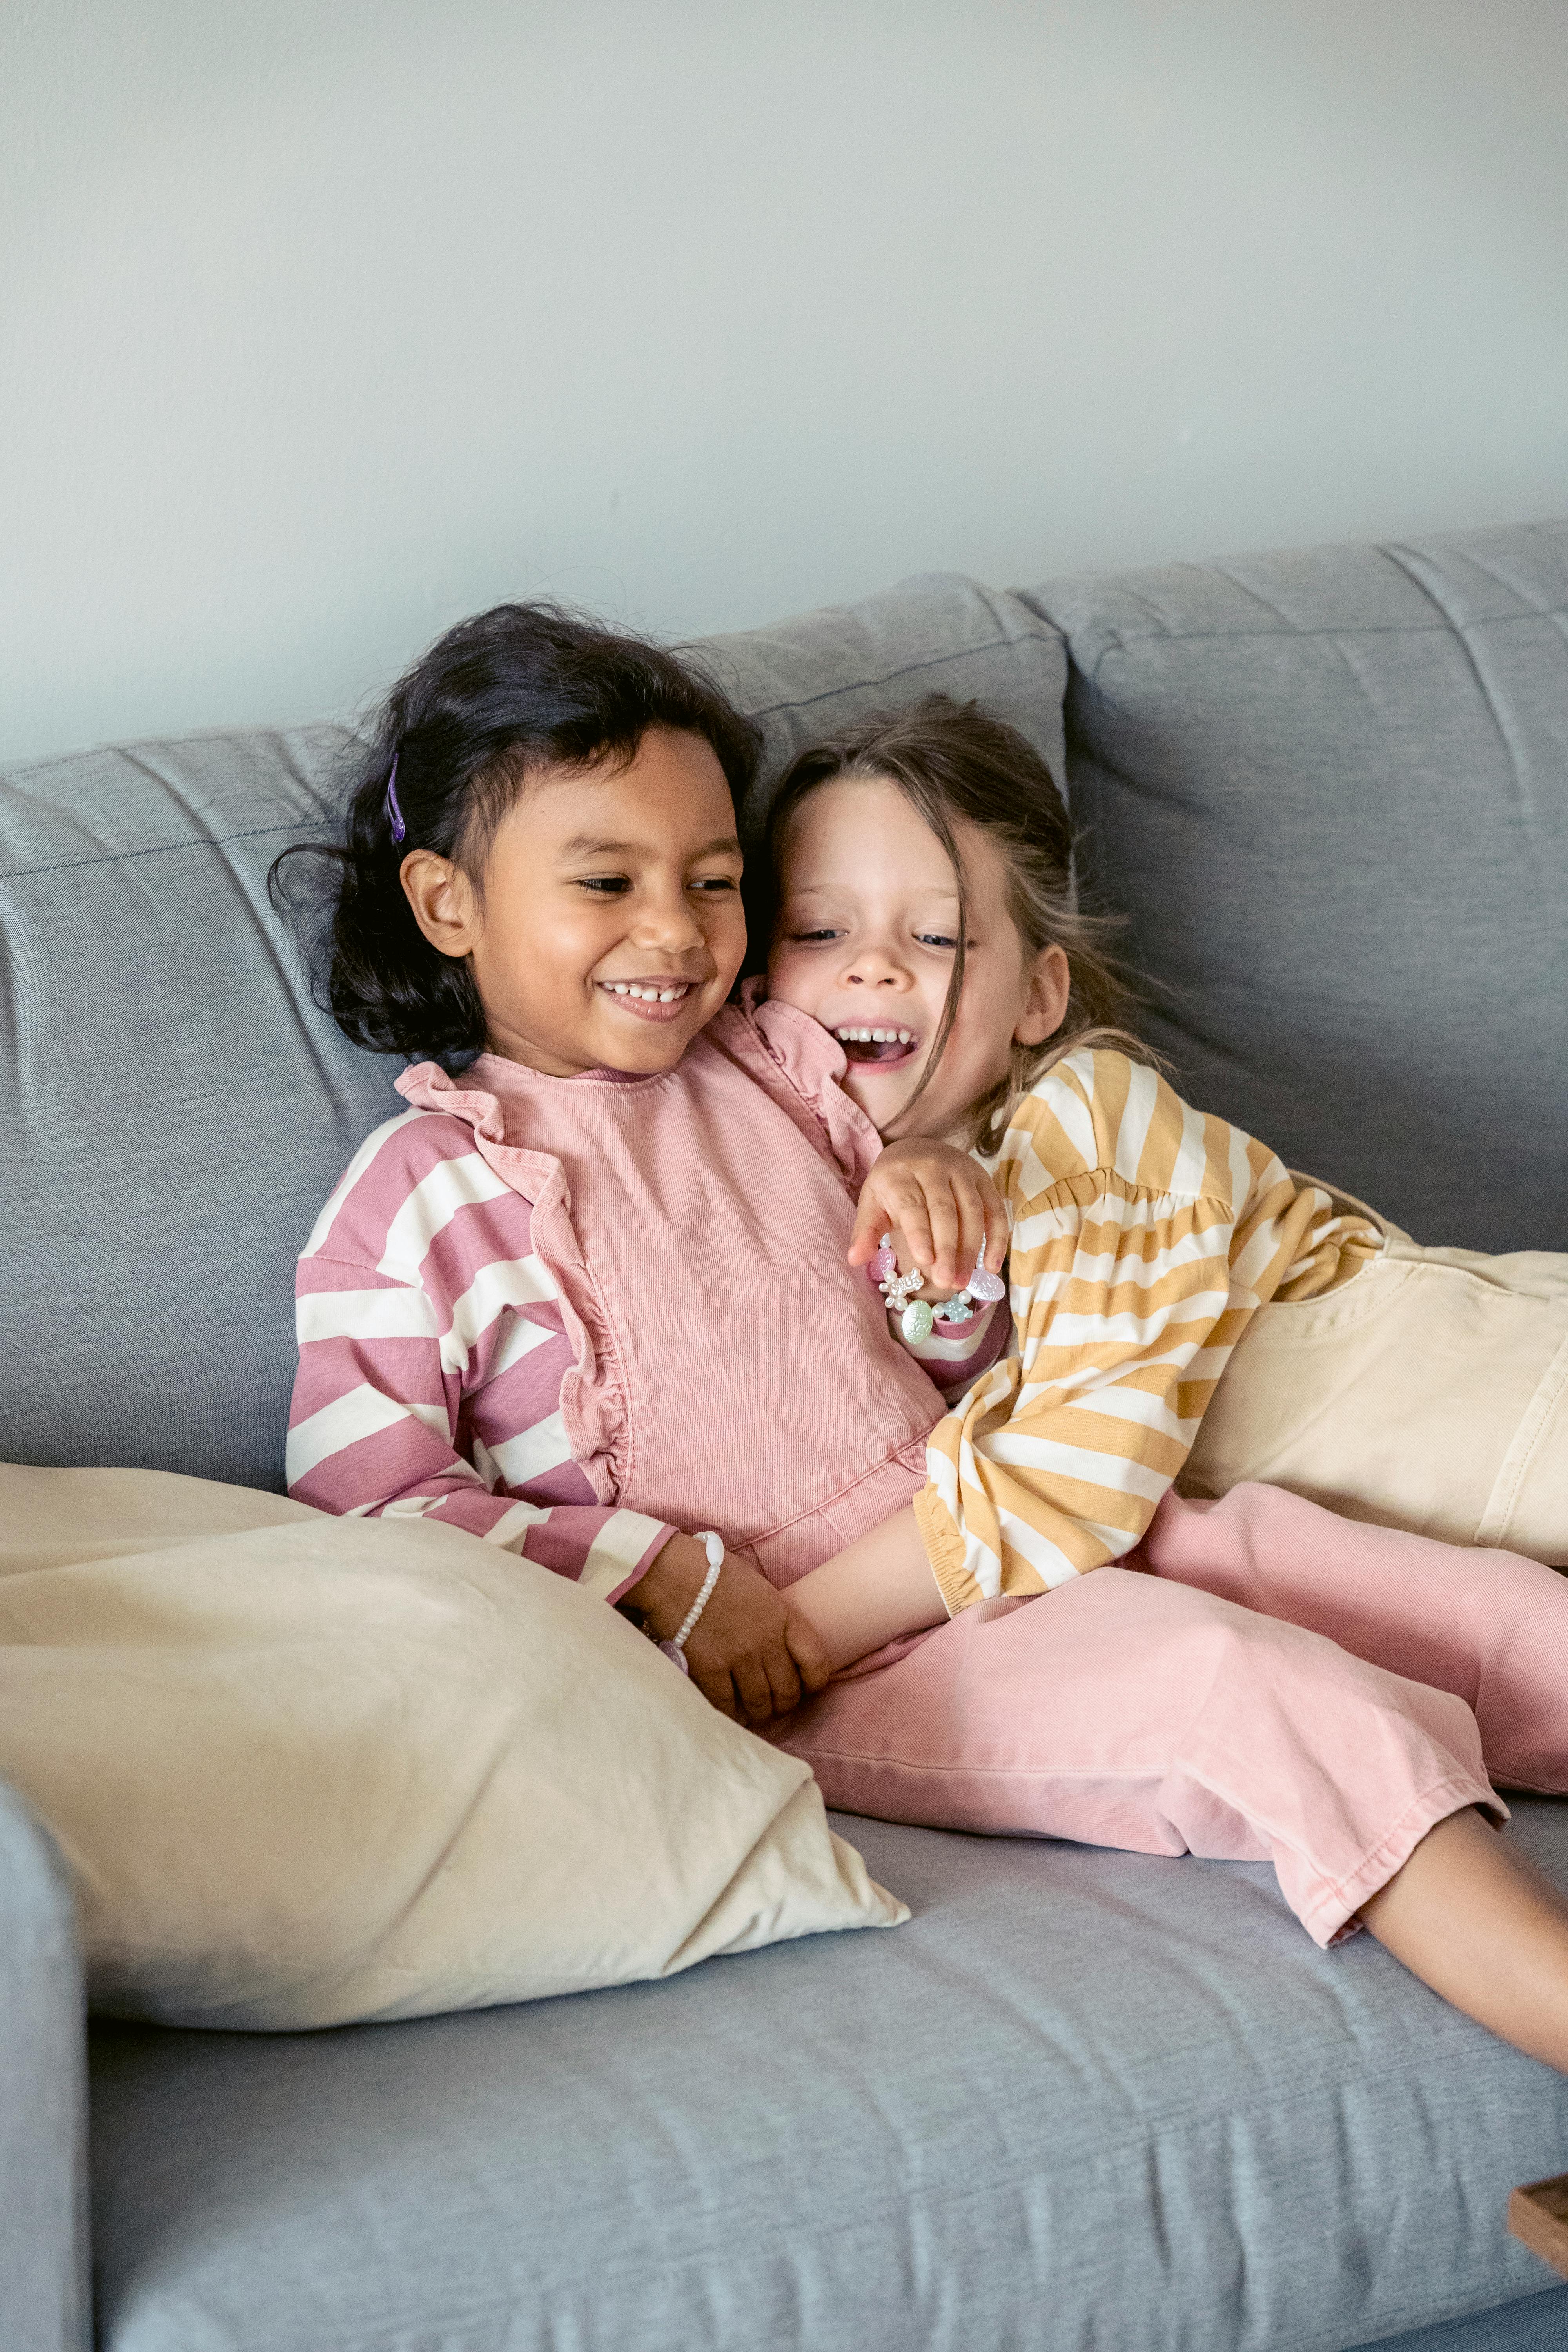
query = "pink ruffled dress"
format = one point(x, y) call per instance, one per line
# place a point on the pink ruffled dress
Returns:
point(730, 1370)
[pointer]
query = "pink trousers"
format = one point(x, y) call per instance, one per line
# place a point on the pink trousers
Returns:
point(1260, 1681)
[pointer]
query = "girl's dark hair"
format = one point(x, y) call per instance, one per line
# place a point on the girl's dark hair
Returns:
point(496, 700)
point(953, 763)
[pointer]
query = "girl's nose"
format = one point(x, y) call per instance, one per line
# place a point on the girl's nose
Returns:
point(669, 922)
point(876, 966)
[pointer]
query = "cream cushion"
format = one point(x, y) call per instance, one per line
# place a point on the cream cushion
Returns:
point(306, 1770)
point(1352, 1398)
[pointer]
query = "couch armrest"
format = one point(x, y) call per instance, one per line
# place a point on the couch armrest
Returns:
point(44, 2292)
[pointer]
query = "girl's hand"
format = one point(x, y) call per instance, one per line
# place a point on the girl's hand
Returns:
point(941, 1209)
point(747, 1657)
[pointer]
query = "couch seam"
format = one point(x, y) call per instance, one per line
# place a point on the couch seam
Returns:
point(155, 849)
point(1122, 640)
point(1050, 635)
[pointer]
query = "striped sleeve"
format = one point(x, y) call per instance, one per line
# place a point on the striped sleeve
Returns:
point(432, 1350)
point(1144, 1237)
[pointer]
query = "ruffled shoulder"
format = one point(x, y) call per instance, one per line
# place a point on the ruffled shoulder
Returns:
point(1097, 1114)
point(592, 1409)
point(469, 1098)
point(802, 1066)
point(428, 1086)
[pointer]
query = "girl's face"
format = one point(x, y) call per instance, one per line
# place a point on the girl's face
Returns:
point(865, 941)
point(609, 927)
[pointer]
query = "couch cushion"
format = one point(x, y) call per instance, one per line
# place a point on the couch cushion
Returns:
point(804, 679)
point(179, 1110)
point(1330, 791)
point(1082, 2100)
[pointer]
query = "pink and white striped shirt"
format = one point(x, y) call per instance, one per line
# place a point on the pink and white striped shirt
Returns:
point(432, 1352)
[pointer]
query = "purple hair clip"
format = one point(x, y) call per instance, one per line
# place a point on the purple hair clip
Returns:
point(393, 813)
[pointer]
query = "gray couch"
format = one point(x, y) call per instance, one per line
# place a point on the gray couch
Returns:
point(1084, 2101)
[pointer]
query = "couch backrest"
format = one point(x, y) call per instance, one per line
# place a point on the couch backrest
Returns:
point(179, 1109)
point(1330, 791)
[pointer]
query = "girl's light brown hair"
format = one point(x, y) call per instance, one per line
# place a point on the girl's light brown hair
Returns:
point(956, 765)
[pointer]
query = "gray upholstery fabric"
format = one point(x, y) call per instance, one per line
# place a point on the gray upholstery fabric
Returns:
point(1537, 2323)
point(804, 678)
point(1330, 790)
point(1083, 2100)
point(179, 1110)
point(174, 1109)
point(43, 2096)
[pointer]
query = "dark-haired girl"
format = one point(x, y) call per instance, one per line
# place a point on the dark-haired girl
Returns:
point(589, 1297)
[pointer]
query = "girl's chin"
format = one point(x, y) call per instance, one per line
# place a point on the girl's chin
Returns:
point(637, 1034)
point(879, 1093)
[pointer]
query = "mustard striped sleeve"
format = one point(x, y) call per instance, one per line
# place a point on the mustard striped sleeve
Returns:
point(1144, 1235)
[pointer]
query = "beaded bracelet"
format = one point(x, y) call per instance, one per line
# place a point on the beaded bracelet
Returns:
point(917, 1317)
point(676, 1646)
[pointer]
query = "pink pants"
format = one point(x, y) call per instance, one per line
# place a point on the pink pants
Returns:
point(1261, 1681)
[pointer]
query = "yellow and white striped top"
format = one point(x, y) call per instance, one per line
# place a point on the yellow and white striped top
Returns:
point(1145, 1234)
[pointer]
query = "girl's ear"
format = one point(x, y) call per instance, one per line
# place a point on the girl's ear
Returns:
point(445, 902)
point(1045, 1006)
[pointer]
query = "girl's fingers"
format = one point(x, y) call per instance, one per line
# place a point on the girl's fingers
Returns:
point(946, 1232)
point(997, 1233)
point(805, 1648)
point(870, 1225)
point(912, 1218)
point(755, 1691)
point(719, 1690)
point(782, 1680)
point(972, 1230)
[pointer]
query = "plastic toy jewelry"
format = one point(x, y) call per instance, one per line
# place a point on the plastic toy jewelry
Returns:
point(917, 1317)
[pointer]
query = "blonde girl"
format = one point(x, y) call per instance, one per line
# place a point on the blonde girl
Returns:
point(924, 917)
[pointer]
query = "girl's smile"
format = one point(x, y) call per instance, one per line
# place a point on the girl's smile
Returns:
point(648, 1000)
point(888, 1048)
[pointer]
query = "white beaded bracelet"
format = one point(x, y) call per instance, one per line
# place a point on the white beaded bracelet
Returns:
point(714, 1547)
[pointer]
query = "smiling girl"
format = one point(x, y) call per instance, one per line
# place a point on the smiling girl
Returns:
point(1268, 1681)
point(588, 1297)
point(925, 917)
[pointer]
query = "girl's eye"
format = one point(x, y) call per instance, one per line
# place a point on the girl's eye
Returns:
point(810, 939)
point(604, 885)
point(714, 883)
point(935, 939)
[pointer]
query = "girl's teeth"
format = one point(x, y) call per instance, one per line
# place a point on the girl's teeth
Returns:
point(652, 995)
point(875, 1036)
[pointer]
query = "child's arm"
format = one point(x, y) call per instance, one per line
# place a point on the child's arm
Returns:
point(879, 1587)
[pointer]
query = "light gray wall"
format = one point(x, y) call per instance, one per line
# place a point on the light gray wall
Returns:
point(324, 321)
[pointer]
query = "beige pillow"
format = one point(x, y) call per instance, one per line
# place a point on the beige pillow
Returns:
point(306, 1770)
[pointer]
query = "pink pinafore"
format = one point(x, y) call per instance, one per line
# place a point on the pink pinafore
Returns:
point(732, 1372)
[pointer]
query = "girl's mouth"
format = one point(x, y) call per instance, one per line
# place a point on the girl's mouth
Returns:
point(649, 1000)
point(887, 1047)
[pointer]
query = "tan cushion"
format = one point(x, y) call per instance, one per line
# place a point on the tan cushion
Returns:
point(1352, 1399)
point(307, 1770)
